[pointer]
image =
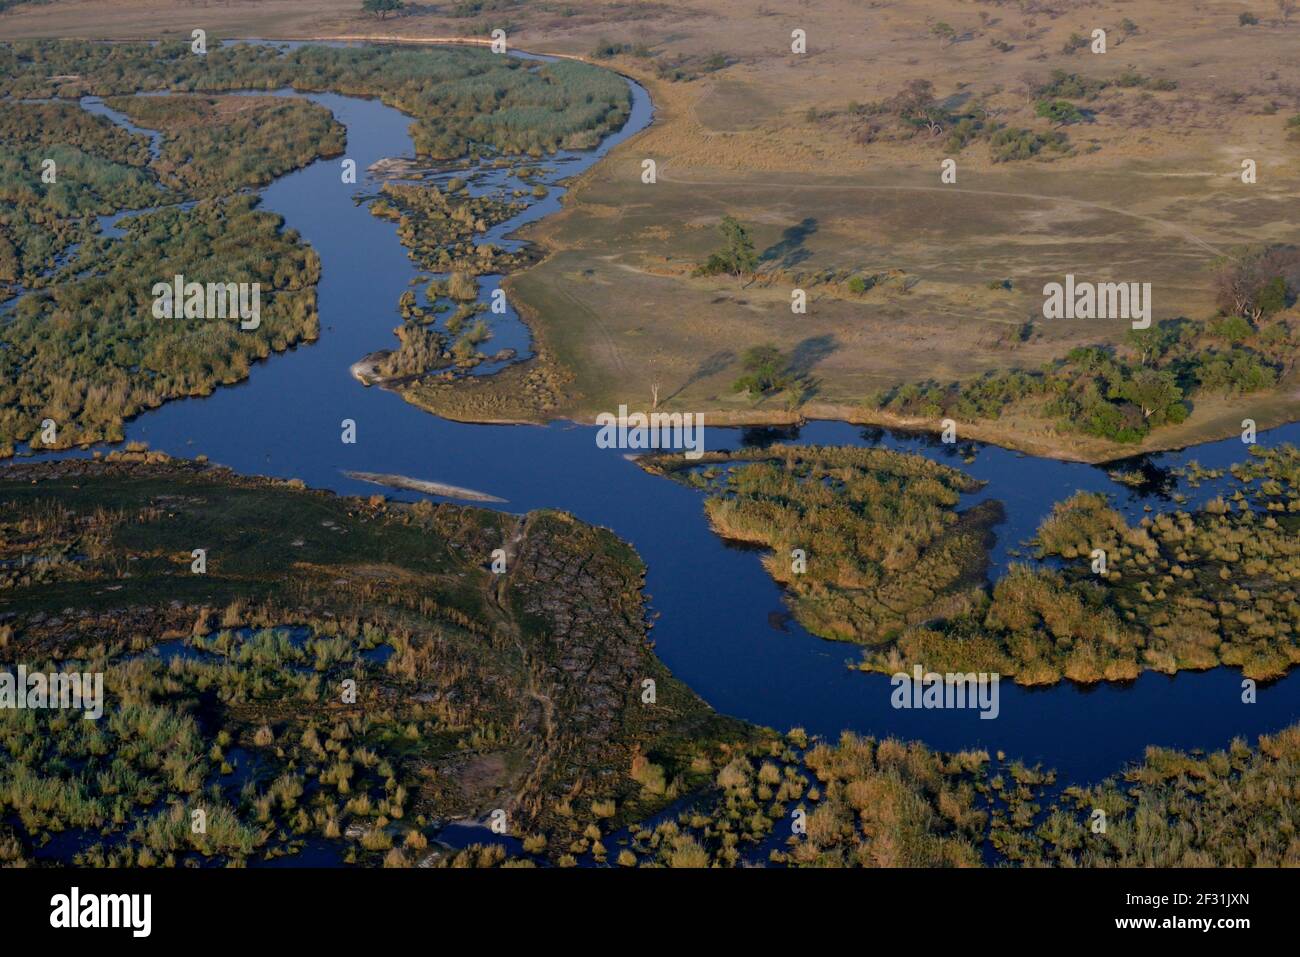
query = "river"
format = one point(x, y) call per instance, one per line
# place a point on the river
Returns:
point(715, 629)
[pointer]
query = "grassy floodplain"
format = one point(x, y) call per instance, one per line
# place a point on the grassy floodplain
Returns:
point(519, 692)
point(891, 803)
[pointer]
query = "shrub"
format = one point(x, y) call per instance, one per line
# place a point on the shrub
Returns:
point(1059, 111)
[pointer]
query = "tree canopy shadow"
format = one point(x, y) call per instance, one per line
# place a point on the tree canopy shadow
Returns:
point(806, 356)
point(711, 366)
point(790, 249)
point(812, 351)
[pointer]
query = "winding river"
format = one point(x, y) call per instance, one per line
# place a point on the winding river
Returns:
point(716, 628)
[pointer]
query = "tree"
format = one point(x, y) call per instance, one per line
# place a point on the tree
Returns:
point(382, 8)
point(1151, 344)
point(1157, 395)
point(737, 257)
point(945, 32)
point(916, 98)
point(1059, 111)
point(766, 370)
point(1257, 282)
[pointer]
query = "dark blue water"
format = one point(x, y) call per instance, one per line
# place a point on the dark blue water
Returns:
point(715, 631)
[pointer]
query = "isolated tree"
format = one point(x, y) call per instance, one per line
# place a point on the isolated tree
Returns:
point(1258, 282)
point(915, 98)
point(766, 370)
point(740, 248)
point(737, 257)
point(1061, 112)
point(382, 8)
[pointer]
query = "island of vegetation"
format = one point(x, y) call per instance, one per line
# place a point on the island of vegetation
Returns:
point(85, 351)
point(1177, 591)
point(871, 548)
point(438, 225)
point(217, 145)
point(866, 541)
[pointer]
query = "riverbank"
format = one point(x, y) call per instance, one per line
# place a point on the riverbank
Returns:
point(502, 399)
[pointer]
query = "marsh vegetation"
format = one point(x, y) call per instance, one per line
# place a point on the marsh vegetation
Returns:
point(871, 547)
point(87, 352)
point(865, 541)
point(82, 350)
point(464, 101)
point(227, 691)
point(217, 145)
point(98, 169)
point(865, 802)
point(1179, 590)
